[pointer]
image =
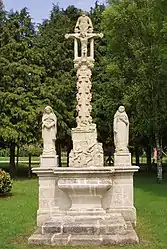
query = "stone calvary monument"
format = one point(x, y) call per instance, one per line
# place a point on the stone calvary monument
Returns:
point(87, 203)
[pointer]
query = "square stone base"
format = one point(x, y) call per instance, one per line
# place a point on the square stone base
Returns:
point(122, 159)
point(49, 161)
point(109, 229)
point(81, 206)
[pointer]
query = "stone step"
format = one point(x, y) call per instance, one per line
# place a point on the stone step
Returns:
point(79, 240)
point(83, 227)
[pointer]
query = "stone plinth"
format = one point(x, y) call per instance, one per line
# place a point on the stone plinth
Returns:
point(81, 206)
point(87, 152)
point(122, 159)
point(49, 161)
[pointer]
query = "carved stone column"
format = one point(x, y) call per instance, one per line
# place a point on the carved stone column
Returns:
point(87, 152)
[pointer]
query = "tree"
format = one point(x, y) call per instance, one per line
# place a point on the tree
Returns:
point(1, 5)
point(136, 34)
point(20, 78)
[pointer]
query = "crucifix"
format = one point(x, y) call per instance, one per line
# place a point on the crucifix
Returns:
point(83, 33)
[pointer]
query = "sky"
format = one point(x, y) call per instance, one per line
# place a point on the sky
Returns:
point(40, 9)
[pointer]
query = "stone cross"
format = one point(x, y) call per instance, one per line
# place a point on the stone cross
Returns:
point(84, 62)
point(83, 33)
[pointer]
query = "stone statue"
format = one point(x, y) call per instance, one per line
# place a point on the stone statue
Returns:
point(84, 24)
point(121, 131)
point(49, 130)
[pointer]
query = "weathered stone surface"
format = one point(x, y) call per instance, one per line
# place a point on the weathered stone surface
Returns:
point(128, 237)
point(62, 239)
point(85, 240)
point(86, 150)
point(40, 239)
point(52, 227)
point(122, 159)
point(49, 161)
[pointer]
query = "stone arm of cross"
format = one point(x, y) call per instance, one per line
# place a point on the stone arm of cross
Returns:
point(75, 36)
point(93, 35)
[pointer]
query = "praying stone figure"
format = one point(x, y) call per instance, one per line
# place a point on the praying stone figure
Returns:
point(49, 131)
point(121, 131)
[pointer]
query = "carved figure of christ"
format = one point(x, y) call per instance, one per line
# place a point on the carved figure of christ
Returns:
point(83, 37)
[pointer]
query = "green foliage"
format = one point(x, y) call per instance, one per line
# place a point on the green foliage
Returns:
point(59, 86)
point(20, 78)
point(5, 182)
point(105, 94)
point(137, 61)
point(31, 149)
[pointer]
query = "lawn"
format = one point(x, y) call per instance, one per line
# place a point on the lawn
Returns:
point(18, 215)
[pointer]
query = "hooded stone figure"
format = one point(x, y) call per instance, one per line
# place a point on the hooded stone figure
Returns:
point(49, 130)
point(121, 130)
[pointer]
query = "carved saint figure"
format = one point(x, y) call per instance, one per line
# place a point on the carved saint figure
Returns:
point(49, 130)
point(84, 24)
point(121, 130)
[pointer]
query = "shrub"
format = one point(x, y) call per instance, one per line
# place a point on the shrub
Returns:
point(5, 182)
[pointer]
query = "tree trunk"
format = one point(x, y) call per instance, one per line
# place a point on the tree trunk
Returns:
point(17, 157)
point(148, 153)
point(12, 168)
point(137, 155)
point(69, 148)
point(58, 148)
point(159, 158)
point(68, 154)
point(29, 167)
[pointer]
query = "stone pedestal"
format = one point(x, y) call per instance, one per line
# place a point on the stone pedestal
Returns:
point(81, 206)
point(49, 161)
point(87, 152)
point(122, 159)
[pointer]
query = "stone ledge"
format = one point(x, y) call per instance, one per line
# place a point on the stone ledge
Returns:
point(79, 240)
point(44, 171)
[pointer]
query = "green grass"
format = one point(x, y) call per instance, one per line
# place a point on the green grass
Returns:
point(18, 215)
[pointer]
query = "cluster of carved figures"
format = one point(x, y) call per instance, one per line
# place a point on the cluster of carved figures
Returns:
point(87, 155)
point(84, 97)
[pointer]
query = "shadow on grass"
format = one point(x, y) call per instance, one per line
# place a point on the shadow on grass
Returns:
point(21, 171)
point(147, 181)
